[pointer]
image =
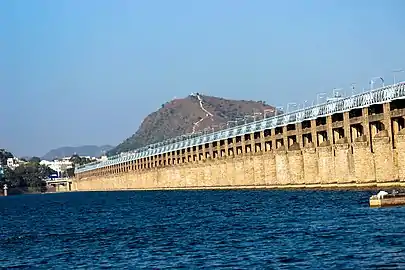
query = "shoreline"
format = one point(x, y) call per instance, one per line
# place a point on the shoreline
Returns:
point(321, 187)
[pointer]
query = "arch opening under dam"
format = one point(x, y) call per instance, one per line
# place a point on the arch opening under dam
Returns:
point(349, 142)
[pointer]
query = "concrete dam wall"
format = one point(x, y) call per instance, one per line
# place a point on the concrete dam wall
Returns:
point(354, 148)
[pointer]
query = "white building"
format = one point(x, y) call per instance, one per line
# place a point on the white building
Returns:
point(13, 163)
point(102, 158)
point(59, 166)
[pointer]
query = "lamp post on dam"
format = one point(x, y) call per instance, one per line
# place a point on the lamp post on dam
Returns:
point(333, 143)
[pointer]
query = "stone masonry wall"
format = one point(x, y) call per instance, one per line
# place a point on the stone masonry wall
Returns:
point(273, 169)
point(353, 152)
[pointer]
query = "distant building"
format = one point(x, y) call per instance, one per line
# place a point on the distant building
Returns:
point(13, 163)
point(58, 165)
point(62, 164)
point(102, 158)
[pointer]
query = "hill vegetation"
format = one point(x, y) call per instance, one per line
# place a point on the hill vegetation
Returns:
point(180, 116)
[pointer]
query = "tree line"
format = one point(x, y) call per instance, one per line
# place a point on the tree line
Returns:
point(27, 177)
point(30, 175)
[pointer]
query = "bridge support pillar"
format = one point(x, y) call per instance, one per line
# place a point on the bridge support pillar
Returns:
point(329, 129)
point(273, 139)
point(314, 134)
point(210, 150)
point(401, 155)
point(252, 143)
point(346, 127)
point(387, 121)
point(285, 137)
point(262, 142)
point(234, 146)
point(192, 154)
point(366, 126)
point(298, 128)
point(243, 143)
point(383, 156)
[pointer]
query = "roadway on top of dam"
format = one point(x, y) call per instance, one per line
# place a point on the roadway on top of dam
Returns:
point(376, 96)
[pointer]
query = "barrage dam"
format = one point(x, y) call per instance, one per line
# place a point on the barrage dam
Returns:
point(355, 141)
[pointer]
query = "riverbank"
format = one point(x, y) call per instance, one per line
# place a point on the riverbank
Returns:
point(327, 187)
point(20, 191)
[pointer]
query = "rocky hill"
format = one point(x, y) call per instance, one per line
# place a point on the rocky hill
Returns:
point(193, 113)
point(85, 150)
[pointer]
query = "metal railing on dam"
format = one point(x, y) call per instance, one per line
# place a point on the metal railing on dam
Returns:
point(377, 96)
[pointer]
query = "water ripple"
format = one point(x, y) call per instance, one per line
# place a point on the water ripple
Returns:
point(200, 229)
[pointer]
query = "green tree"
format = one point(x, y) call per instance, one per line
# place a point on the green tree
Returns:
point(70, 172)
point(4, 155)
point(77, 160)
point(29, 176)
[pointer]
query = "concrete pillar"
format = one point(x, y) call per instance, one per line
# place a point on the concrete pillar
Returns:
point(273, 138)
point(234, 146)
point(243, 143)
point(310, 160)
point(180, 157)
point(342, 162)
point(269, 161)
point(396, 127)
point(226, 147)
point(401, 155)
point(204, 152)
point(296, 164)
point(373, 130)
point(346, 126)
point(282, 167)
point(384, 159)
point(387, 121)
point(252, 142)
point(364, 167)
point(298, 128)
point(329, 129)
point(285, 137)
point(210, 150)
point(366, 125)
point(262, 141)
point(326, 166)
point(192, 153)
point(314, 133)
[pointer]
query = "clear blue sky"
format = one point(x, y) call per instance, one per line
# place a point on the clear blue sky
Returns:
point(87, 72)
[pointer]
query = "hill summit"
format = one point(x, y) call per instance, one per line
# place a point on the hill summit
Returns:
point(194, 113)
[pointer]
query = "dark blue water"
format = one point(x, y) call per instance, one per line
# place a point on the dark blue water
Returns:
point(201, 229)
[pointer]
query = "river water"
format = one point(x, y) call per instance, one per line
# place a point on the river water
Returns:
point(201, 229)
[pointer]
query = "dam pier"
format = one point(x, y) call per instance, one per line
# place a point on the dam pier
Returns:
point(356, 141)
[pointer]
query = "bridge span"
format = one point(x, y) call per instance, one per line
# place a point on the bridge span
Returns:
point(60, 184)
point(349, 142)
